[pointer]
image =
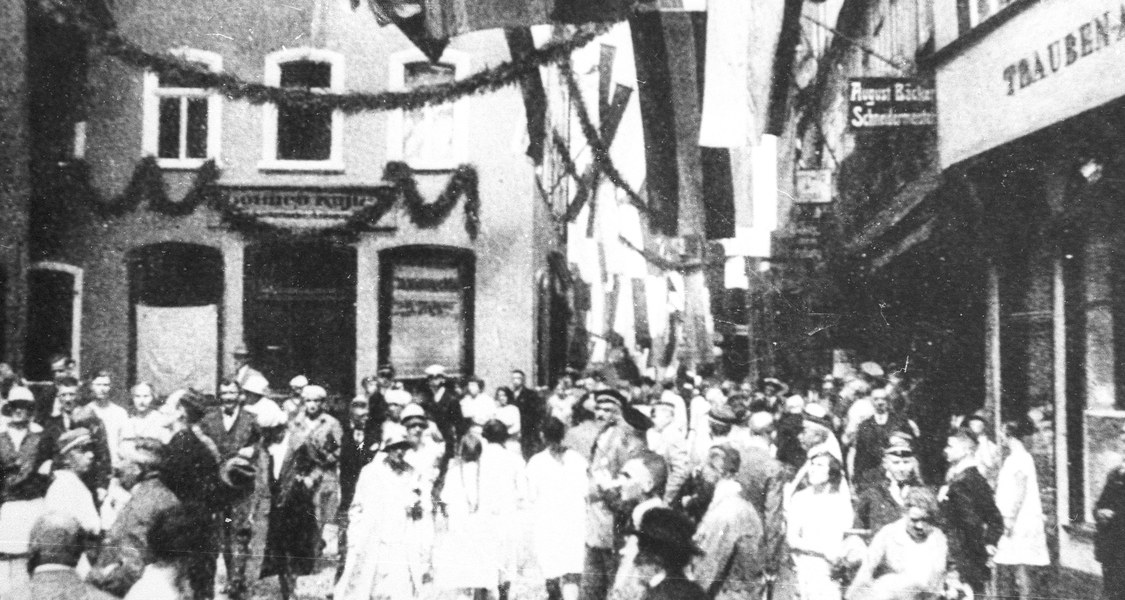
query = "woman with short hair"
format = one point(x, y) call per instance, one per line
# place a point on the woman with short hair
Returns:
point(1024, 543)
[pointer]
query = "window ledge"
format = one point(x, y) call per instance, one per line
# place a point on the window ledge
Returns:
point(182, 164)
point(305, 166)
point(1082, 531)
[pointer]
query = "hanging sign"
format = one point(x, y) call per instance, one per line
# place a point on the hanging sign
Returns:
point(890, 102)
point(427, 318)
point(814, 186)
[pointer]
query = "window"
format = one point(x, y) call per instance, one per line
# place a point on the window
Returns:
point(433, 137)
point(299, 138)
point(182, 121)
point(979, 11)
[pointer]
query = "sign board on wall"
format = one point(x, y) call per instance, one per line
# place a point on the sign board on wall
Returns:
point(1050, 62)
point(890, 102)
point(427, 318)
point(814, 186)
point(312, 206)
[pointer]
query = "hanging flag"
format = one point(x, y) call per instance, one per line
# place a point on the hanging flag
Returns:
point(726, 98)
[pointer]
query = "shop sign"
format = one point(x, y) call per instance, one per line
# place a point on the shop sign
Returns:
point(1049, 62)
point(814, 186)
point(801, 243)
point(427, 317)
point(890, 102)
point(311, 205)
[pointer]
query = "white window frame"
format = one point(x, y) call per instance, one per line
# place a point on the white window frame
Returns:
point(994, 7)
point(270, 161)
point(75, 306)
point(150, 143)
point(396, 70)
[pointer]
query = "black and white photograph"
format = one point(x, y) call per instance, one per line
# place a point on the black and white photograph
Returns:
point(562, 299)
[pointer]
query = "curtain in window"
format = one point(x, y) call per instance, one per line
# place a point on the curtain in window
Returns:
point(177, 346)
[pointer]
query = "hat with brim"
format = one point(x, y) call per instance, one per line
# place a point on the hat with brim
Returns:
point(74, 439)
point(435, 371)
point(610, 397)
point(636, 419)
point(723, 414)
point(872, 369)
point(413, 414)
point(777, 383)
point(899, 443)
point(398, 397)
point(238, 473)
point(256, 384)
point(667, 533)
point(817, 415)
point(395, 438)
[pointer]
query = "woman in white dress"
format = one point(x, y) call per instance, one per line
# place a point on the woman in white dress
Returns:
point(509, 414)
point(145, 421)
point(556, 479)
point(477, 407)
point(818, 514)
point(1024, 543)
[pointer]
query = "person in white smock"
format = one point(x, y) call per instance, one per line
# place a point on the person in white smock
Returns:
point(556, 480)
point(1024, 543)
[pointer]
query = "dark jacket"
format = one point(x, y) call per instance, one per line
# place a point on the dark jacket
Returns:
point(243, 433)
point(445, 412)
point(972, 523)
point(676, 587)
point(872, 438)
point(293, 536)
point(1109, 540)
point(532, 411)
point(354, 455)
point(19, 476)
point(101, 471)
point(121, 559)
point(763, 484)
point(876, 508)
point(191, 471)
point(789, 449)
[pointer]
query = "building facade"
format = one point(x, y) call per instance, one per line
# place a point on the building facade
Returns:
point(187, 224)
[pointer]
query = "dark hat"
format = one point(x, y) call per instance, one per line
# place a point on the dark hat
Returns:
point(667, 534)
point(775, 382)
point(75, 438)
point(238, 473)
point(723, 414)
point(636, 419)
point(240, 350)
point(613, 396)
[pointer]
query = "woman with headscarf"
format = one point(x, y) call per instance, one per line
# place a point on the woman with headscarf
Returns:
point(1024, 543)
point(818, 514)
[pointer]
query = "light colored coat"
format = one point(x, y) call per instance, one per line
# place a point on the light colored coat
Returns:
point(557, 490)
point(1017, 497)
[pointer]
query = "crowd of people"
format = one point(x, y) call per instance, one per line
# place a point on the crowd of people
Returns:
point(687, 488)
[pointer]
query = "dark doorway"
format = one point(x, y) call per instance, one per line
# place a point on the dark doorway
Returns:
point(300, 313)
point(50, 319)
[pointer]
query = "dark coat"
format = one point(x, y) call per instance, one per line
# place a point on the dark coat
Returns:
point(763, 484)
point(789, 449)
point(354, 455)
point(532, 413)
point(445, 412)
point(293, 536)
point(191, 471)
point(101, 471)
point(972, 523)
point(872, 438)
point(876, 508)
point(1110, 538)
point(243, 433)
point(19, 476)
point(122, 556)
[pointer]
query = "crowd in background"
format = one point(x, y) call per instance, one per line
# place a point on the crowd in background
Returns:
point(686, 488)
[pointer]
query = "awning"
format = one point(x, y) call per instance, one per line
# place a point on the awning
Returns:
point(912, 196)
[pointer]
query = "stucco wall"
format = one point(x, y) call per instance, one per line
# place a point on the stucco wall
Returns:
point(244, 33)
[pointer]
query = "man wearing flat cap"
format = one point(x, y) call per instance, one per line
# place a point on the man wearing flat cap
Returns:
point(616, 443)
point(323, 435)
point(68, 495)
point(66, 414)
point(121, 558)
point(443, 406)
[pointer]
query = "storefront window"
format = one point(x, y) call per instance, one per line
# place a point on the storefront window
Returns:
point(426, 309)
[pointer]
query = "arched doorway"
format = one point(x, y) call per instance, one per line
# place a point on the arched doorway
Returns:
point(299, 312)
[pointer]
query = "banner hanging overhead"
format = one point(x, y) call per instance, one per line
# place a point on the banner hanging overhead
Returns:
point(890, 102)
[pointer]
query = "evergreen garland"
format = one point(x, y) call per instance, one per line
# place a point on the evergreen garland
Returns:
point(100, 31)
point(427, 215)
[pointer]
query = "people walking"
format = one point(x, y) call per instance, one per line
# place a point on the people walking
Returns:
point(556, 485)
point(818, 515)
point(971, 520)
point(1023, 546)
point(731, 564)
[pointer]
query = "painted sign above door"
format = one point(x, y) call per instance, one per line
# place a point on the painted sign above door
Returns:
point(313, 206)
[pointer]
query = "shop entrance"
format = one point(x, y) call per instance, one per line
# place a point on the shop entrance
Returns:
point(300, 313)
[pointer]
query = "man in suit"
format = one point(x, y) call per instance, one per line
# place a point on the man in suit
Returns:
point(973, 524)
point(532, 412)
point(357, 448)
point(55, 547)
point(323, 435)
point(730, 535)
point(444, 409)
point(66, 415)
point(243, 370)
point(293, 536)
point(1109, 514)
point(234, 432)
point(763, 483)
point(664, 550)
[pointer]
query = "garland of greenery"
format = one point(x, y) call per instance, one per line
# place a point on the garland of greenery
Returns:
point(102, 32)
point(147, 183)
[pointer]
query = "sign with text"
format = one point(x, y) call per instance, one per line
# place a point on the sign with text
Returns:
point(1049, 62)
point(314, 206)
point(814, 186)
point(890, 102)
point(427, 318)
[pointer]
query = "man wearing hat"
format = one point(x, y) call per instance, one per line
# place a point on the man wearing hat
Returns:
point(730, 534)
point(387, 558)
point(664, 550)
point(323, 435)
point(615, 444)
point(255, 390)
point(68, 494)
point(66, 414)
point(443, 406)
point(121, 558)
point(641, 483)
point(235, 433)
point(22, 453)
point(361, 435)
point(243, 370)
point(426, 448)
point(721, 421)
point(667, 440)
point(882, 500)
